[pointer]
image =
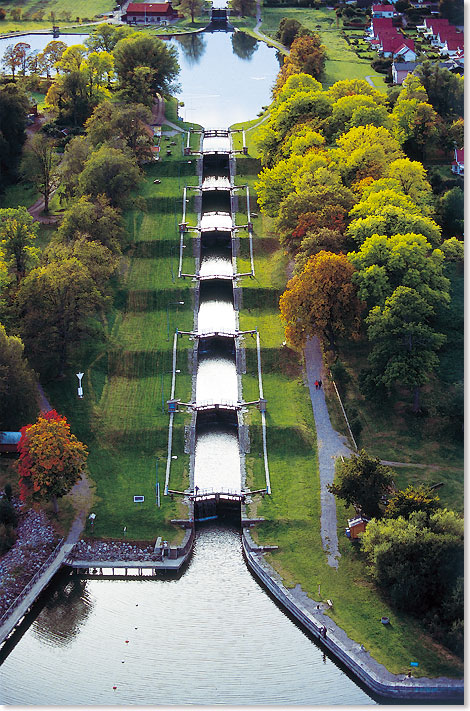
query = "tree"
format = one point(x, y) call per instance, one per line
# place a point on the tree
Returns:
point(11, 60)
point(111, 172)
point(414, 498)
point(445, 90)
point(193, 7)
point(75, 156)
point(40, 166)
point(123, 125)
point(18, 385)
point(21, 50)
point(56, 303)
point(69, 98)
point(72, 58)
point(140, 52)
point(363, 482)
point(98, 70)
point(307, 56)
point(17, 239)
point(404, 344)
point(51, 55)
point(416, 561)
point(243, 7)
point(51, 460)
point(450, 212)
point(323, 238)
point(98, 259)
point(394, 220)
point(288, 31)
point(384, 263)
point(105, 37)
point(411, 176)
point(347, 87)
point(313, 208)
point(95, 220)
point(365, 151)
point(321, 301)
point(14, 106)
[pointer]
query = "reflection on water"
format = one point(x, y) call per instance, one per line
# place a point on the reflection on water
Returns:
point(193, 46)
point(216, 380)
point(217, 460)
point(65, 612)
point(211, 637)
point(228, 83)
point(243, 45)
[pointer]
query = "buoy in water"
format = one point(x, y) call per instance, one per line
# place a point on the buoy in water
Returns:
point(127, 641)
point(114, 687)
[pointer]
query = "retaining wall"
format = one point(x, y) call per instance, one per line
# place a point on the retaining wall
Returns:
point(351, 654)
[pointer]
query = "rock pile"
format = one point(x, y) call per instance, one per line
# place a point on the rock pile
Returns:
point(35, 542)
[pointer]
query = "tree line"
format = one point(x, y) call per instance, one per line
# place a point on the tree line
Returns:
point(356, 213)
point(54, 297)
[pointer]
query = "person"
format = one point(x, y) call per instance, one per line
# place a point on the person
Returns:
point(316, 384)
point(320, 383)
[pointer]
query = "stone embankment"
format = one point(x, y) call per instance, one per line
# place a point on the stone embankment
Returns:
point(35, 542)
point(312, 616)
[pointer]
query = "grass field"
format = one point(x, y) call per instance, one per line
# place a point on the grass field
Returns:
point(127, 380)
point(342, 62)
point(292, 512)
point(62, 9)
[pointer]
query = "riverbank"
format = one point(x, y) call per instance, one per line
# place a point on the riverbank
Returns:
point(313, 616)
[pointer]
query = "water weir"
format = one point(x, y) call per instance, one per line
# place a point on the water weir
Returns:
point(218, 438)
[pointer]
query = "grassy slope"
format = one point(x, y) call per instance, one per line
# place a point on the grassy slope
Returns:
point(121, 415)
point(342, 61)
point(292, 513)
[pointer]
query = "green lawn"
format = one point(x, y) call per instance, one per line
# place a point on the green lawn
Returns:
point(342, 62)
point(129, 377)
point(61, 8)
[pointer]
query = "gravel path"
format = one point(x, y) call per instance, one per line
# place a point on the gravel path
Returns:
point(330, 445)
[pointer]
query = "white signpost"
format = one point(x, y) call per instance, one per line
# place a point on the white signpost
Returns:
point(80, 389)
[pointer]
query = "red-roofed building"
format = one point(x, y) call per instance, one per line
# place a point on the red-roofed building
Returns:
point(458, 164)
point(383, 11)
point(397, 45)
point(144, 13)
point(380, 24)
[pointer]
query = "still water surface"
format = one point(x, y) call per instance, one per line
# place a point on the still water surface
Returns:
point(211, 637)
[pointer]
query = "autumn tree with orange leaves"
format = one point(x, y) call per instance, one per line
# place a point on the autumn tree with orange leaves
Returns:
point(51, 459)
point(321, 301)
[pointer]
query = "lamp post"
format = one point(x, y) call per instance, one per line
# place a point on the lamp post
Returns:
point(170, 303)
point(80, 389)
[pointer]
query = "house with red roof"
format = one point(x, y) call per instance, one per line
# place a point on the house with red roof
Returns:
point(383, 11)
point(457, 165)
point(397, 45)
point(143, 13)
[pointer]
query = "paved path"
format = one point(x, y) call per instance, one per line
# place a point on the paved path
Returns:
point(330, 445)
point(261, 35)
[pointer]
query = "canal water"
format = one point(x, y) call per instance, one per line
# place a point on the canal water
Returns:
point(213, 636)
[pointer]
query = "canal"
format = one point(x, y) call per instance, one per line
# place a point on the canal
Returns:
point(212, 636)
